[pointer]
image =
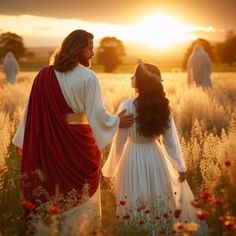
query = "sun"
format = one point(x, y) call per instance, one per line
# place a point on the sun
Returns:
point(161, 30)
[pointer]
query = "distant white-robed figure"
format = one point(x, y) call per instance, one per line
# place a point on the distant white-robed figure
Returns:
point(199, 67)
point(10, 67)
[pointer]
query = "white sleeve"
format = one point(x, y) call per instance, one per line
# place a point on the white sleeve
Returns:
point(172, 146)
point(103, 124)
point(119, 140)
point(18, 138)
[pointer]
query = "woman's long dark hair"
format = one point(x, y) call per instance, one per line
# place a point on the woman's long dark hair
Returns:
point(152, 106)
point(71, 50)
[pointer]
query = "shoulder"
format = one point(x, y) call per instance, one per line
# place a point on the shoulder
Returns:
point(127, 103)
point(84, 71)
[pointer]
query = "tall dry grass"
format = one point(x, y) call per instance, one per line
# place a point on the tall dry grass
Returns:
point(206, 125)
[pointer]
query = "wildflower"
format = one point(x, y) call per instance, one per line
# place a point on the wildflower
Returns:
point(28, 205)
point(166, 215)
point(142, 207)
point(216, 200)
point(192, 227)
point(177, 212)
point(122, 202)
point(200, 215)
point(141, 222)
point(157, 218)
point(126, 216)
point(147, 211)
point(205, 195)
point(227, 163)
point(54, 209)
point(117, 217)
point(178, 227)
point(229, 224)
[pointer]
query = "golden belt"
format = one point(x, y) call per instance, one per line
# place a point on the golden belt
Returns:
point(76, 118)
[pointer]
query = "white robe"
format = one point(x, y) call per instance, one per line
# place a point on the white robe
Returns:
point(199, 68)
point(82, 92)
point(145, 171)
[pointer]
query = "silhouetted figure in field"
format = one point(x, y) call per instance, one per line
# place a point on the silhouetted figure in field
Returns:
point(10, 67)
point(199, 68)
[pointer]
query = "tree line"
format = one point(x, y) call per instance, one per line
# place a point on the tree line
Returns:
point(111, 50)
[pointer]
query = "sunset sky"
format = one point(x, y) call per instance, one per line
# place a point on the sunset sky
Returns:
point(157, 23)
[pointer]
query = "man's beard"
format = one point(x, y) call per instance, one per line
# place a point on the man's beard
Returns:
point(85, 62)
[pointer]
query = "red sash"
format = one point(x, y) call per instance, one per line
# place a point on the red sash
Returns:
point(66, 156)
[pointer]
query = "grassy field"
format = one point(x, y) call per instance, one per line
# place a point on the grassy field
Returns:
point(128, 66)
point(206, 125)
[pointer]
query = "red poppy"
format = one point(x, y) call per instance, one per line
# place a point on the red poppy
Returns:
point(117, 217)
point(28, 205)
point(54, 209)
point(122, 202)
point(166, 215)
point(216, 200)
point(141, 222)
point(227, 163)
point(177, 212)
point(126, 216)
point(205, 195)
point(147, 211)
point(201, 215)
point(157, 218)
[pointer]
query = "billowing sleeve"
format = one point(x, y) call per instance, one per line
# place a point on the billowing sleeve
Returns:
point(119, 140)
point(18, 138)
point(103, 124)
point(172, 146)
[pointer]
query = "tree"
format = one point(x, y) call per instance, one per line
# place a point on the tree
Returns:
point(110, 52)
point(207, 47)
point(11, 42)
point(227, 50)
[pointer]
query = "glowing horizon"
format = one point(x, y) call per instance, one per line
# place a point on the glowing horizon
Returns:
point(158, 30)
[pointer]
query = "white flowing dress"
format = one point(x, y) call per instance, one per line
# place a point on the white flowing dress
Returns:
point(146, 175)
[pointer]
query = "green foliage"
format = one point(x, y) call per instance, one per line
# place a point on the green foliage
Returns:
point(207, 47)
point(11, 42)
point(110, 52)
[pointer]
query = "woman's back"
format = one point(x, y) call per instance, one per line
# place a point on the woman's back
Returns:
point(132, 134)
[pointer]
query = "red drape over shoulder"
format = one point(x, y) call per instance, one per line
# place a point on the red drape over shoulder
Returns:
point(66, 156)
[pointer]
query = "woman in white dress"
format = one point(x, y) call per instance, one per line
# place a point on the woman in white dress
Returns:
point(146, 161)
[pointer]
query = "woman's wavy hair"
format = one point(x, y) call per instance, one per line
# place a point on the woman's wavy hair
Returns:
point(71, 50)
point(152, 106)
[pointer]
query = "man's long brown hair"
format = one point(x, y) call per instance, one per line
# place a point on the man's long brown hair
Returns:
point(152, 106)
point(71, 50)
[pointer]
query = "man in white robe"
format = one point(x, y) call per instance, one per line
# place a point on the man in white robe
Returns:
point(82, 93)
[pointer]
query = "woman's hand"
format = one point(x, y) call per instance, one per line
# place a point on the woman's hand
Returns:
point(182, 177)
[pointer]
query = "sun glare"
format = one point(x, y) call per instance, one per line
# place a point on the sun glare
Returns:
point(161, 30)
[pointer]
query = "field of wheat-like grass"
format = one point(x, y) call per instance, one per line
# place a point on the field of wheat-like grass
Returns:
point(206, 122)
